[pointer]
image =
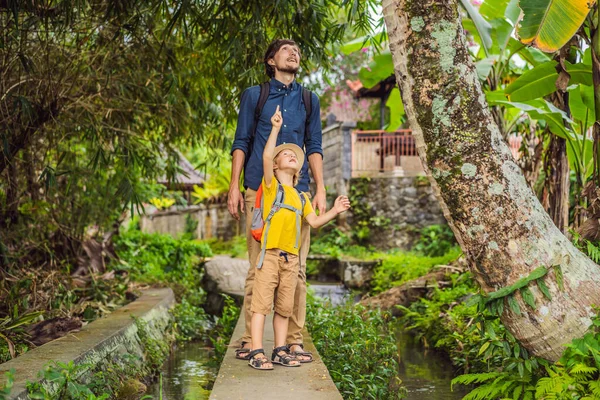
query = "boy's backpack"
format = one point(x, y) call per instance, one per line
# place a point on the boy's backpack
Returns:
point(258, 224)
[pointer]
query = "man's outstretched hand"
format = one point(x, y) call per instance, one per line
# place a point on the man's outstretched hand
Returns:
point(235, 199)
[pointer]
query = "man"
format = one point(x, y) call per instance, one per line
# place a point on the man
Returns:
point(282, 60)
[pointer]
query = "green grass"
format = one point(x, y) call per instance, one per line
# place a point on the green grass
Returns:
point(398, 267)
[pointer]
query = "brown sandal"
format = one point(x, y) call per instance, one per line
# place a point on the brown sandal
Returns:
point(242, 350)
point(257, 363)
point(301, 353)
point(286, 359)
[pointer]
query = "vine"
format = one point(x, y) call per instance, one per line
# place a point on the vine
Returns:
point(494, 301)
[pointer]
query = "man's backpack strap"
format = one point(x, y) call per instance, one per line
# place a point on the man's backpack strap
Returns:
point(307, 99)
point(265, 88)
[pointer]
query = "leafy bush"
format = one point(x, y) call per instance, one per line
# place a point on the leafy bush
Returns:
point(152, 257)
point(359, 349)
point(155, 258)
point(398, 267)
point(6, 388)
point(221, 334)
point(192, 321)
point(435, 240)
point(575, 376)
point(236, 247)
point(65, 378)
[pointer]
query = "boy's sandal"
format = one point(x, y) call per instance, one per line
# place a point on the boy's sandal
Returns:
point(257, 363)
point(301, 353)
point(242, 350)
point(285, 359)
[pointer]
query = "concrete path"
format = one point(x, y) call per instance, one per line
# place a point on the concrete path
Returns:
point(236, 380)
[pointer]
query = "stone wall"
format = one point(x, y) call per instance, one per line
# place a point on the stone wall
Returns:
point(337, 149)
point(408, 202)
point(214, 221)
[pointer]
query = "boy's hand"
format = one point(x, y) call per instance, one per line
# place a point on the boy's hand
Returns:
point(342, 203)
point(277, 119)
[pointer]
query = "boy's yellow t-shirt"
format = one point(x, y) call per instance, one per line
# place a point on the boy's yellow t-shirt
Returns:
point(282, 230)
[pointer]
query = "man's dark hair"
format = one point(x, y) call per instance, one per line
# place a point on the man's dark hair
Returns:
point(272, 50)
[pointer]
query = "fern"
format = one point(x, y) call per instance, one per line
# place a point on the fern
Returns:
point(593, 251)
point(580, 368)
point(594, 387)
point(484, 392)
point(468, 379)
point(547, 385)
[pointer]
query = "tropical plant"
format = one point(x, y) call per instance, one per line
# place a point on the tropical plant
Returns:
point(161, 203)
point(11, 325)
point(358, 349)
point(215, 187)
point(435, 240)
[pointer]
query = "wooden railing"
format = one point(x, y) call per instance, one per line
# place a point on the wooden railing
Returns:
point(380, 151)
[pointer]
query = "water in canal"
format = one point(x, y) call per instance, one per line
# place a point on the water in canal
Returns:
point(425, 373)
point(185, 374)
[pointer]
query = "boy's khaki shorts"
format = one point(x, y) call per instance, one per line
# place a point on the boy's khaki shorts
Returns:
point(275, 282)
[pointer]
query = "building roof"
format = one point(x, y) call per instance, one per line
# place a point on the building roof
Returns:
point(187, 178)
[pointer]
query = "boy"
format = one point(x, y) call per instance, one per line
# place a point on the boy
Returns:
point(278, 264)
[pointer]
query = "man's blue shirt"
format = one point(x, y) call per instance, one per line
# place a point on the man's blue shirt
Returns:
point(289, 100)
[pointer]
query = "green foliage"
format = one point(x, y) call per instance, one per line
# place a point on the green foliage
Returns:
point(593, 251)
point(192, 321)
point(364, 223)
point(155, 350)
point(435, 240)
point(215, 187)
point(107, 380)
point(337, 244)
point(155, 258)
point(398, 267)
point(221, 333)
point(236, 247)
point(359, 349)
point(494, 301)
point(494, 361)
point(8, 384)
point(64, 379)
point(12, 327)
point(191, 226)
point(497, 385)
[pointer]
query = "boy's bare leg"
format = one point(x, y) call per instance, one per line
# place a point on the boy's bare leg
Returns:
point(258, 326)
point(280, 327)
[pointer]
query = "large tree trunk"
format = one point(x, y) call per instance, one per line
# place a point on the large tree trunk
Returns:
point(498, 221)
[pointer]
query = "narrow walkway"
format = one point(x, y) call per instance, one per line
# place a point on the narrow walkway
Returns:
point(236, 380)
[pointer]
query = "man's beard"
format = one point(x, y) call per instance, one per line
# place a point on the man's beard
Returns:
point(289, 70)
